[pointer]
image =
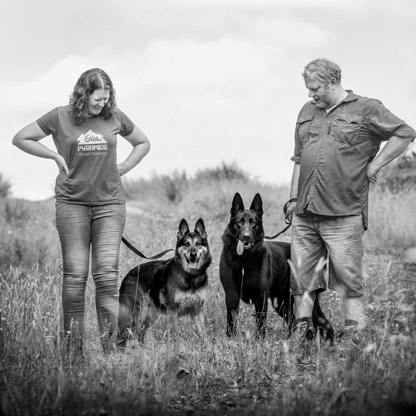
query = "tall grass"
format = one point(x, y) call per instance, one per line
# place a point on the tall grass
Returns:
point(178, 372)
point(28, 238)
point(392, 221)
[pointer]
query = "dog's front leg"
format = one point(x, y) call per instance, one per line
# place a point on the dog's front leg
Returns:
point(173, 321)
point(145, 320)
point(129, 309)
point(232, 300)
point(201, 325)
point(260, 304)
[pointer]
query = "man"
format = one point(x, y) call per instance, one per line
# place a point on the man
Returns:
point(337, 138)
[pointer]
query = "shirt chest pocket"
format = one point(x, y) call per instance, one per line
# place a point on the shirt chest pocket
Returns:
point(345, 128)
point(303, 128)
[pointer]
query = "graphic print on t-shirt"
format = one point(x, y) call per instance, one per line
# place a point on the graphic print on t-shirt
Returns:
point(91, 144)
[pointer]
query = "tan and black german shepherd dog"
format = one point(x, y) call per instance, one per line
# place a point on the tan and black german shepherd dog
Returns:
point(176, 286)
point(255, 270)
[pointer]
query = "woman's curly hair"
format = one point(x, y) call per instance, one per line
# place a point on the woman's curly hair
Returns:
point(88, 82)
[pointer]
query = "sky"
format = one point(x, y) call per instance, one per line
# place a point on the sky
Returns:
point(208, 81)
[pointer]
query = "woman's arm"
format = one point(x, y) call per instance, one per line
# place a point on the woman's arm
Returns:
point(27, 140)
point(141, 147)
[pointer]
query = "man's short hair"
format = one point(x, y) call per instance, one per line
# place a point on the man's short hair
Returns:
point(322, 69)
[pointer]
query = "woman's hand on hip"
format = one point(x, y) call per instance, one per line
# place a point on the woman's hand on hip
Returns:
point(62, 166)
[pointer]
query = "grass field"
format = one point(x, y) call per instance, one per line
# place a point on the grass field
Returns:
point(179, 373)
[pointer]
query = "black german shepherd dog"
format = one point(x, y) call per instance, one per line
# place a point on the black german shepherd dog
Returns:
point(254, 270)
point(176, 286)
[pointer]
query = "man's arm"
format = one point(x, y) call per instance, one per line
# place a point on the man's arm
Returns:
point(293, 190)
point(295, 181)
point(394, 147)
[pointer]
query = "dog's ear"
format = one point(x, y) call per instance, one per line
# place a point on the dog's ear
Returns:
point(237, 205)
point(257, 205)
point(200, 228)
point(183, 229)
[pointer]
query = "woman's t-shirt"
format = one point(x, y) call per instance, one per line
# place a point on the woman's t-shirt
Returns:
point(89, 150)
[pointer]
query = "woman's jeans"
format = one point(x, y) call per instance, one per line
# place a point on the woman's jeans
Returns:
point(84, 229)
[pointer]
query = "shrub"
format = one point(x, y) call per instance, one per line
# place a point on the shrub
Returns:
point(27, 234)
point(174, 185)
point(5, 187)
point(224, 172)
point(400, 175)
point(392, 223)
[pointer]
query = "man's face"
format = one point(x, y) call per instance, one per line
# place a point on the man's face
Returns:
point(323, 94)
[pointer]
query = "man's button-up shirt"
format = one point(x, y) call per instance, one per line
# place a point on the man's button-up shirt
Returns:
point(334, 149)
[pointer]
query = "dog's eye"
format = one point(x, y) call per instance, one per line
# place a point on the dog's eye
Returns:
point(198, 243)
point(187, 244)
point(239, 223)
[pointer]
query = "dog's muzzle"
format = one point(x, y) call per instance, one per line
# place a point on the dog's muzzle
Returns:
point(193, 260)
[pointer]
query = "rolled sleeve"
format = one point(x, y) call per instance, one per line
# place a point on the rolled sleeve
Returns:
point(298, 146)
point(384, 124)
point(295, 159)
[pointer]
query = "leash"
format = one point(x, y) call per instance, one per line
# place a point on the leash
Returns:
point(140, 254)
point(288, 220)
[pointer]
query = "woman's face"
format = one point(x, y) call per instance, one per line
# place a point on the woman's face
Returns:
point(97, 100)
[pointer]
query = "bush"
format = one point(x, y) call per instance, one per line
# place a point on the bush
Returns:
point(177, 185)
point(5, 187)
point(400, 175)
point(224, 172)
point(392, 223)
point(28, 237)
point(174, 185)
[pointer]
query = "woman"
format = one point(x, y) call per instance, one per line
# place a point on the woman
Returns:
point(90, 201)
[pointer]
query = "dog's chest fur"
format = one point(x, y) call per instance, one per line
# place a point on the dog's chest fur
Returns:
point(185, 299)
point(252, 282)
point(257, 274)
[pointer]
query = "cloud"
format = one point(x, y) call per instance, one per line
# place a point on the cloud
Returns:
point(251, 4)
point(41, 91)
point(206, 80)
point(235, 64)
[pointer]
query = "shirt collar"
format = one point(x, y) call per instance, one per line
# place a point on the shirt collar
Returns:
point(350, 97)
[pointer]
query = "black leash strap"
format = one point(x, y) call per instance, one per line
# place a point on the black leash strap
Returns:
point(288, 220)
point(140, 254)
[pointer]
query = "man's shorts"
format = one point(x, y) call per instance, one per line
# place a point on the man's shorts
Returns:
point(316, 237)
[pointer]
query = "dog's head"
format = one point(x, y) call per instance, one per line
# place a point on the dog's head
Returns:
point(246, 225)
point(192, 249)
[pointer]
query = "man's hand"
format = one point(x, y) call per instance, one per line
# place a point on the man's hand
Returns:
point(394, 147)
point(372, 172)
point(290, 207)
